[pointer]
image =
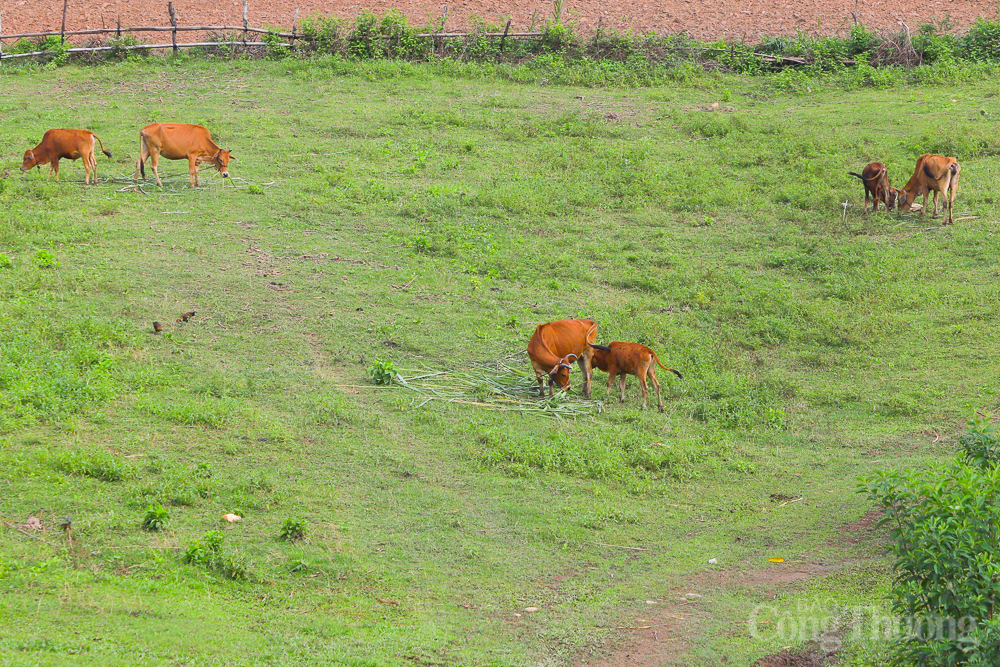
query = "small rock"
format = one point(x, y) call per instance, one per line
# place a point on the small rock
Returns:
point(692, 596)
point(33, 523)
point(232, 518)
point(531, 610)
point(713, 561)
point(650, 601)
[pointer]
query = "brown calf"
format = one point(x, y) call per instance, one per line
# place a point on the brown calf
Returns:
point(66, 144)
point(624, 359)
point(179, 141)
point(556, 345)
point(933, 173)
point(875, 178)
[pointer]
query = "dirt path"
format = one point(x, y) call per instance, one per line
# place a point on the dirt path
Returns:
point(666, 634)
point(700, 18)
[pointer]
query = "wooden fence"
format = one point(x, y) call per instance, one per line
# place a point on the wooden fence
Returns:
point(245, 30)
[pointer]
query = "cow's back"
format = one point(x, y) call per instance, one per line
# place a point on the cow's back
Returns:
point(177, 140)
point(66, 143)
point(564, 337)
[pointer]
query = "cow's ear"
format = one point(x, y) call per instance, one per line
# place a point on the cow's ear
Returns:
point(230, 155)
point(217, 154)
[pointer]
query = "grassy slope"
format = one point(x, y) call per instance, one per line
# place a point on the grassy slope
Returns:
point(816, 347)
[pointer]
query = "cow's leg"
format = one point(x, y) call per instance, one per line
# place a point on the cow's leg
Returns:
point(923, 209)
point(193, 170)
point(55, 168)
point(621, 387)
point(143, 156)
point(642, 384)
point(951, 198)
point(86, 169)
point(541, 384)
point(935, 203)
point(588, 372)
point(93, 167)
point(656, 385)
point(154, 162)
point(865, 209)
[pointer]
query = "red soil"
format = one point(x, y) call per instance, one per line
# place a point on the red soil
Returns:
point(700, 18)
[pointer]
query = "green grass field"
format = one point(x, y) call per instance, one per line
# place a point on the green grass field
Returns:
point(412, 214)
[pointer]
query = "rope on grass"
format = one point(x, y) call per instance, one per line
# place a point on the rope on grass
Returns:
point(498, 386)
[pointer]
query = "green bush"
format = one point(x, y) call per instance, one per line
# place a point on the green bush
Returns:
point(208, 553)
point(981, 444)
point(943, 526)
point(293, 530)
point(156, 518)
point(383, 372)
point(982, 42)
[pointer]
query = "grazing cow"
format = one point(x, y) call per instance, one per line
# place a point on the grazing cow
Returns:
point(624, 359)
point(933, 173)
point(875, 178)
point(556, 345)
point(66, 144)
point(179, 141)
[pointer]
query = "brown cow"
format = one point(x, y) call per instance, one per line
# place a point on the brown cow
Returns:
point(556, 345)
point(623, 359)
point(933, 173)
point(179, 141)
point(65, 144)
point(875, 178)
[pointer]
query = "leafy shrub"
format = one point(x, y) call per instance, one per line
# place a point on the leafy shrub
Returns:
point(383, 372)
point(275, 46)
point(5, 261)
point(46, 260)
point(208, 553)
point(156, 518)
point(981, 444)
point(982, 42)
point(292, 530)
point(943, 531)
point(324, 33)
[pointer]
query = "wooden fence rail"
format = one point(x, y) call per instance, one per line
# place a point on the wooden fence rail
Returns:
point(262, 31)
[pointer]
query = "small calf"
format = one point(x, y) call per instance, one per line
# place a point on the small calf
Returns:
point(69, 145)
point(621, 359)
point(875, 178)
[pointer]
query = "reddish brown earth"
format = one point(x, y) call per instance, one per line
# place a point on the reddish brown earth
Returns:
point(701, 18)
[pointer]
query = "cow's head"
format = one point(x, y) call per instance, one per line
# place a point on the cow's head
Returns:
point(221, 162)
point(600, 358)
point(29, 160)
point(890, 197)
point(904, 202)
point(559, 375)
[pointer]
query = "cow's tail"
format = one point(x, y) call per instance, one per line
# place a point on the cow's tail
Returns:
point(142, 162)
point(667, 368)
point(603, 348)
point(108, 153)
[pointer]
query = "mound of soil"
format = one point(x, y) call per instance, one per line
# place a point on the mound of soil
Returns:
point(706, 19)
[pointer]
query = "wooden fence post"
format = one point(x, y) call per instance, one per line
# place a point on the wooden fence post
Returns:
point(295, 20)
point(245, 25)
point(1, 35)
point(62, 31)
point(118, 32)
point(173, 22)
point(503, 39)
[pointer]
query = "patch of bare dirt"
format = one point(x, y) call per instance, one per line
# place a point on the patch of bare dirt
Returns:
point(664, 634)
point(748, 19)
point(810, 655)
